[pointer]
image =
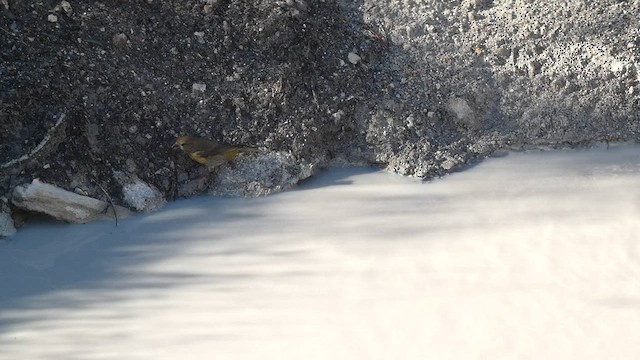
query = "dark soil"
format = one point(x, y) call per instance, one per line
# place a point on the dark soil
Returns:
point(128, 77)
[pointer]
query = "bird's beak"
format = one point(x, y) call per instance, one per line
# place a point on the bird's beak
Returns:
point(175, 145)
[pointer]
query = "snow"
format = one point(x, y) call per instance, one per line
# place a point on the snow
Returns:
point(526, 256)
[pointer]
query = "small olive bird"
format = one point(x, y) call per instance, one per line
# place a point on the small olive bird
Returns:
point(208, 152)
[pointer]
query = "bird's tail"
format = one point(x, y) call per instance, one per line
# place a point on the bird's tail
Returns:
point(232, 153)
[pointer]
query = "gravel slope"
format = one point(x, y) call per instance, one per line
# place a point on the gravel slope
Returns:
point(93, 93)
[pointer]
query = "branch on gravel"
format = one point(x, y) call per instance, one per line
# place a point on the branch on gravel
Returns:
point(35, 150)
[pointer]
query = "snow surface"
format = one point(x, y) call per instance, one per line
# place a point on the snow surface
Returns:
point(527, 256)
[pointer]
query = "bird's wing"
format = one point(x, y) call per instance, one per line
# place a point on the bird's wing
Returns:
point(231, 153)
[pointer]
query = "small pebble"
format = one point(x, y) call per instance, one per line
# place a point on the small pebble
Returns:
point(533, 68)
point(198, 88)
point(354, 58)
point(52, 18)
point(617, 67)
point(448, 164)
point(120, 40)
point(66, 6)
point(338, 115)
point(199, 36)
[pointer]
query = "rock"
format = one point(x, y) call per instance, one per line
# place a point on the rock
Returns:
point(138, 194)
point(64, 6)
point(465, 116)
point(7, 227)
point(62, 204)
point(460, 108)
point(209, 5)
point(191, 187)
point(120, 40)
point(448, 164)
point(199, 35)
point(354, 58)
point(198, 89)
point(260, 174)
point(52, 18)
point(618, 67)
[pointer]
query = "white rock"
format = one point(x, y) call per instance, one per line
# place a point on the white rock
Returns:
point(66, 6)
point(354, 58)
point(62, 204)
point(618, 66)
point(460, 107)
point(465, 115)
point(260, 174)
point(199, 35)
point(198, 88)
point(52, 18)
point(143, 197)
point(448, 164)
point(138, 194)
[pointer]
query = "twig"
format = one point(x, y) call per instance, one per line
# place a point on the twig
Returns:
point(377, 35)
point(35, 150)
point(14, 35)
point(115, 213)
point(315, 99)
point(174, 191)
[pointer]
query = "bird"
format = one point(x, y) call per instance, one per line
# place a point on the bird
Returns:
point(209, 152)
